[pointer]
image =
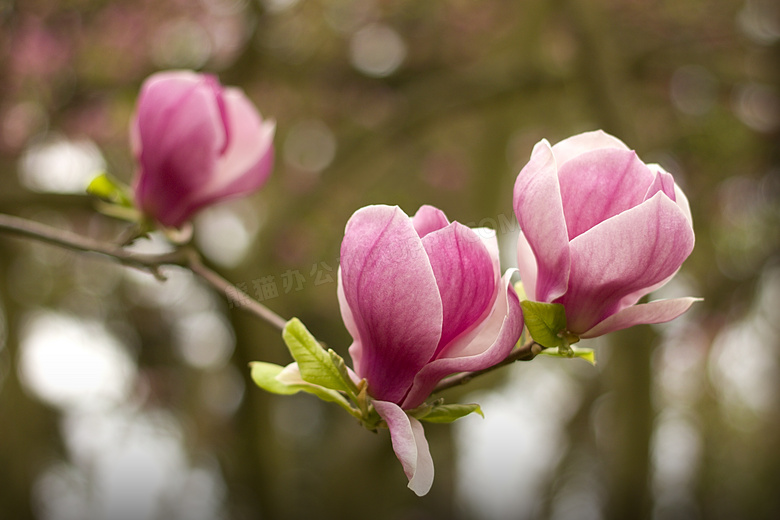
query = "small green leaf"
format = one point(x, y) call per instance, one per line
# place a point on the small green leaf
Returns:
point(316, 365)
point(264, 376)
point(111, 190)
point(588, 354)
point(545, 322)
point(447, 413)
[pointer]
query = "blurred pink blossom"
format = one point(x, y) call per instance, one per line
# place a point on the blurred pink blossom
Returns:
point(196, 143)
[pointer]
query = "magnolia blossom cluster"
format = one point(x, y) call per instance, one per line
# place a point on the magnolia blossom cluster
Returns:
point(421, 296)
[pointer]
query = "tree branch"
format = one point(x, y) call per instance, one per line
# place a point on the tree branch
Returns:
point(243, 300)
point(79, 243)
point(526, 352)
point(184, 257)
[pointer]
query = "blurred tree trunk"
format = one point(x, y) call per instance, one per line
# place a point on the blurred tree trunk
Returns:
point(630, 424)
point(27, 428)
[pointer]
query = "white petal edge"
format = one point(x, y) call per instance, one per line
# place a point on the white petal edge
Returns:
point(585, 142)
point(410, 446)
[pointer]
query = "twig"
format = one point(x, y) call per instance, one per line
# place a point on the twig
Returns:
point(196, 265)
point(75, 242)
point(183, 257)
point(526, 352)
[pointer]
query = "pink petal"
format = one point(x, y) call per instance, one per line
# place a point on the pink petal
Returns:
point(389, 286)
point(539, 210)
point(664, 182)
point(487, 345)
point(600, 184)
point(622, 255)
point(160, 91)
point(410, 446)
point(248, 158)
point(526, 265)
point(585, 142)
point(659, 311)
point(250, 143)
point(179, 129)
point(682, 203)
point(679, 197)
point(465, 276)
point(429, 219)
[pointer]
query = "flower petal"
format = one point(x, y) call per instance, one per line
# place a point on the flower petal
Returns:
point(388, 284)
point(356, 348)
point(663, 181)
point(465, 276)
point(659, 311)
point(248, 159)
point(633, 250)
point(485, 346)
point(179, 128)
point(429, 219)
point(682, 203)
point(526, 265)
point(410, 446)
point(251, 141)
point(600, 184)
point(539, 210)
point(585, 142)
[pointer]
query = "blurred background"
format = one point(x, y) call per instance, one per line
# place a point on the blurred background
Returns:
point(123, 397)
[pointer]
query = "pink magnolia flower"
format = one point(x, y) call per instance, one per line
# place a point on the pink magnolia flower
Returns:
point(423, 298)
point(599, 230)
point(196, 143)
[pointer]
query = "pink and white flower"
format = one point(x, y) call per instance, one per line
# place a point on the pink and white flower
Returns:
point(599, 230)
point(423, 298)
point(196, 143)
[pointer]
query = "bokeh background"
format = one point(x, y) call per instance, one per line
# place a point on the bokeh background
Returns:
point(125, 398)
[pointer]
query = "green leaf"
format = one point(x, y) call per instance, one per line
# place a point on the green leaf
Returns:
point(588, 354)
point(315, 363)
point(546, 322)
point(265, 376)
point(447, 413)
point(111, 190)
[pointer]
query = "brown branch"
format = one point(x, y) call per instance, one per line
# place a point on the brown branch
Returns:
point(74, 242)
point(246, 302)
point(183, 257)
point(526, 352)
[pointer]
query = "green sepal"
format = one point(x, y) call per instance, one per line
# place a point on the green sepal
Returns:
point(265, 376)
point(317, 366)
point(110, 190)
point(341, 366)
point(588, 354)
point(445, 413)
point(546, 322)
